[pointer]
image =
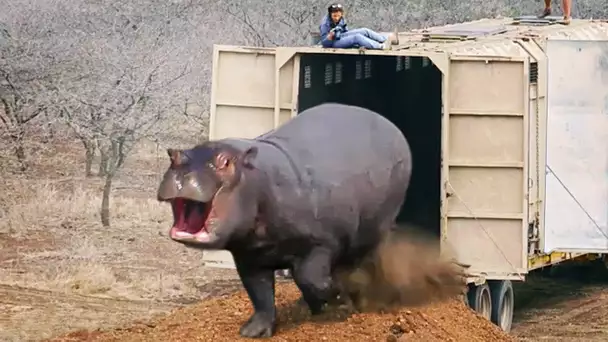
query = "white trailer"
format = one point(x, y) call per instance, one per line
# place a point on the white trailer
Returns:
point(508, 122)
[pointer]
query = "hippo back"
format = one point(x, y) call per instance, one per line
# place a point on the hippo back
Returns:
point(336, 141)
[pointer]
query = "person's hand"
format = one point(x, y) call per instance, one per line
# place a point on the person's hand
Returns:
point(331, 35)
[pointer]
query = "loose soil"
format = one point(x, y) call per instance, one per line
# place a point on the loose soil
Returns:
point(219, 320)
point(569, 304)
point(404, 273)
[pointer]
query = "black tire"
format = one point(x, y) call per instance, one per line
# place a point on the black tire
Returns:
point(480, 299)
point(503, 303)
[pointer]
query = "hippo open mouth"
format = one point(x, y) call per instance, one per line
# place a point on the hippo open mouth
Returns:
point(193, 220)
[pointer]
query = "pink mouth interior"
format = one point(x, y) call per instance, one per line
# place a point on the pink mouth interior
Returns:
point(190, 218)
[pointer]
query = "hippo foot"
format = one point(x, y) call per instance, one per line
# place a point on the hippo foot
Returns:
point(320, 307)
point(333, 301)
point(258, 326)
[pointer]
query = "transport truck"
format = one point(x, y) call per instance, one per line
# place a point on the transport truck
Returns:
point(508, 124)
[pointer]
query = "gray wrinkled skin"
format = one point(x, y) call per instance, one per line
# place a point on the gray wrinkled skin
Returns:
point(315, 194)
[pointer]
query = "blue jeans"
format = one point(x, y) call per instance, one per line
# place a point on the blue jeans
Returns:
point(361, 37)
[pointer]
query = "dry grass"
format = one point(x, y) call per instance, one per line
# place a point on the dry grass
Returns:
point(58, 262)
point(51, 205)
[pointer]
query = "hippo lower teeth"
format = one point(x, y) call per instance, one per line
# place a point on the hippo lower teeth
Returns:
point(191, 219)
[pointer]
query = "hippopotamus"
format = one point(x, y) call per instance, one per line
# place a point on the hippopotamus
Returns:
point(315, 194)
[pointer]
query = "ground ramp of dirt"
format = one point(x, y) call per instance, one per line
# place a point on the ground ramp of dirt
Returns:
point(219, 319)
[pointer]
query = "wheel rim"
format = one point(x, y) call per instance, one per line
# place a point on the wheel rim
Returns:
point(486, 303)
point(507, 309)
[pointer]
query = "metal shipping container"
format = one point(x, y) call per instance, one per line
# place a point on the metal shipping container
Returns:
point(508, 122)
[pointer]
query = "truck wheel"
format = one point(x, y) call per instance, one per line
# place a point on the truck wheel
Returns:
point(503, 303)
point(480, 299)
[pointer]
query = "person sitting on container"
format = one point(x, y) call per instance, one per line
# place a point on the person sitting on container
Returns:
point(335, 33)
point(566, 6)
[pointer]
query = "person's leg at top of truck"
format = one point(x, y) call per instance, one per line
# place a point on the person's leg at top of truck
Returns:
point(358, 40)
point(371, 34)
point(566, 6)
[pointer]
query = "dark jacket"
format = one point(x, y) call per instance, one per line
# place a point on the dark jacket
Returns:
point(327, 25)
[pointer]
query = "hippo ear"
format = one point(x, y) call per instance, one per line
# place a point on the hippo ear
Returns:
point(248, 156)
point(221, 161)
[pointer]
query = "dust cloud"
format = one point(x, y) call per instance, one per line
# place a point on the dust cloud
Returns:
point(406, 270)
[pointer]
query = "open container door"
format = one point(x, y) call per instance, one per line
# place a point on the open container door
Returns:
point(487, 158)
point(576, 195)
point(254, 90)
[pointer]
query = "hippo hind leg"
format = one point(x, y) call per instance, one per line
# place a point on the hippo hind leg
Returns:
point(360, 263)
point(312, 275)
point(259, 284)
point(335, 298)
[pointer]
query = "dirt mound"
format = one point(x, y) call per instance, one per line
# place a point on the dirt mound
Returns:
point(405, 271)
point(220, 318)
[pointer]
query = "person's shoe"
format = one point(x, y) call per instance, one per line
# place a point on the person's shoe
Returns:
point(385, 46)
point(566, 20)
point(546, 13)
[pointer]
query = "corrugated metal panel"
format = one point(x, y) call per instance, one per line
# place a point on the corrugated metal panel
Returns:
point(590, 31)
point(583, 29)
point(475, 23)
point(497, 48)
point(577, 30)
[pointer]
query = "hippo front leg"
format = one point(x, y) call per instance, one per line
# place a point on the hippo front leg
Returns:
point(312, 275)
point(259, 284)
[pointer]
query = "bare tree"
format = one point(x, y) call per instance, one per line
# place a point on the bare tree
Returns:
point(274, 22)
point(127, 61)
point(27, 70)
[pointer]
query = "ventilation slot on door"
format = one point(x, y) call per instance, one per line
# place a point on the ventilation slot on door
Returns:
point(368, 68)
point(399, 66)
point(307, 77)
point(533, 72)
point(338, 77)
point(329, 73)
